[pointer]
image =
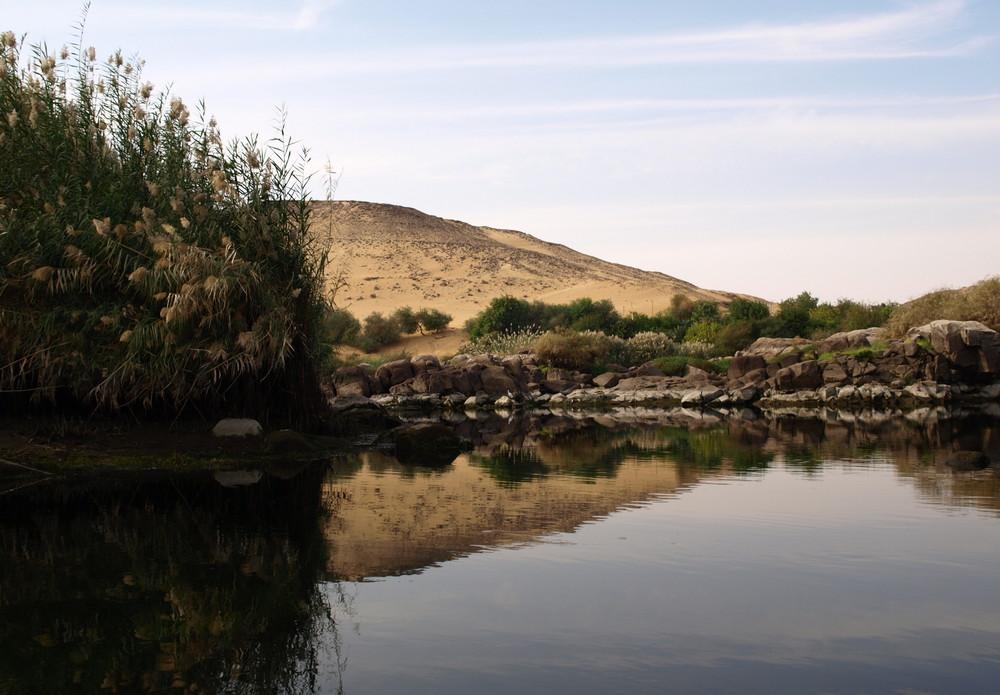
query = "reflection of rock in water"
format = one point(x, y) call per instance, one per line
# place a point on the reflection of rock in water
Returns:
point(538, 473)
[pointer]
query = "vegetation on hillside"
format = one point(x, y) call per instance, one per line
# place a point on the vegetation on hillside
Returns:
point(144, 263)
point(377, 331)
point(980, 302)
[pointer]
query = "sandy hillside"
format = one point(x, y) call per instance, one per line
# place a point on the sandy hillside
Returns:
point(393, 256)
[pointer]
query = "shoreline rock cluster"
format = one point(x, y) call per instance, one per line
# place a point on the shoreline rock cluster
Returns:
point(941, 362)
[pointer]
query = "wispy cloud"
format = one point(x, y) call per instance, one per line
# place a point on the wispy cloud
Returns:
point(503, 111)
point(301, 16)
point(908, 33)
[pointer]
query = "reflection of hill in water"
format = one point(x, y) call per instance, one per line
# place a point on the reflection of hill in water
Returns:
point(387, 519)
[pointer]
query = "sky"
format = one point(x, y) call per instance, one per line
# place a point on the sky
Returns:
point(850, 149)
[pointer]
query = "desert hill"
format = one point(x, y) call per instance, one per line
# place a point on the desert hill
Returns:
point(388, 256)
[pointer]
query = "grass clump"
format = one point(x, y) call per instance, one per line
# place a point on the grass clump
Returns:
point(144, 263)
point(504, 342)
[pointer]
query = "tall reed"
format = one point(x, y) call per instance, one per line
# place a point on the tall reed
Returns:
point(144, 263)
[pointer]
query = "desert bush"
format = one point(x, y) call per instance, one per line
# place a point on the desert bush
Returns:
point(143, 262)
point(572, 350)
point(980, 302)
point(432, 320)
point(697, 349)
point(378, 331)
point(340, 327)
point(406, 319)
point(736, 336)
point(503, 314)
point(503, 342)
point(747, 310)
point(643, 347)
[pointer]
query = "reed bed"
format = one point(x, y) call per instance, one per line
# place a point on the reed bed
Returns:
point(145, 263)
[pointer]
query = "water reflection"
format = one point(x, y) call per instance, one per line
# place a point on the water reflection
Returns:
point(244, 582)
point(153, 583)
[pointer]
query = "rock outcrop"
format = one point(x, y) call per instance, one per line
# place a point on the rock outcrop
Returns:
point(943, 361)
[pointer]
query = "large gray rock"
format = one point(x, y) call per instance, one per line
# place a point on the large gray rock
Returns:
point(799, 377)
point(237, 427)
point(497, 382)
point(742, 365)
point(425, 363)
point(851, 340)
point(392, 373)
point(970, 346)
point(769, 348)
point(357, 379)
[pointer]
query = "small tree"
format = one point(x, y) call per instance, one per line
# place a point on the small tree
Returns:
point(407, 320)
point(432, 320)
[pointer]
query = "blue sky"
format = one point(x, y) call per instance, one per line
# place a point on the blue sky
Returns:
point(849, 148)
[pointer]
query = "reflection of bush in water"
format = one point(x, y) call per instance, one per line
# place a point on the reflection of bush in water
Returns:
point(510, 467)
point(711, 449)
point(805, 459)
point(145, 587)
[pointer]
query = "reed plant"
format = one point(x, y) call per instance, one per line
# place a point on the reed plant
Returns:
point(144, 262)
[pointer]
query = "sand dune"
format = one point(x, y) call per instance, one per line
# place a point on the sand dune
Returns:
point(389, 256)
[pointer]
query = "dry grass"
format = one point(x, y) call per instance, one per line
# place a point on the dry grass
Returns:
point(980, 302)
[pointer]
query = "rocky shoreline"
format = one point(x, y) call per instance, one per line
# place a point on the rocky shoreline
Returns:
point(943, 363)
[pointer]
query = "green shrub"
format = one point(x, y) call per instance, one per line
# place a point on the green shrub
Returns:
point(432, 320)
point(406, 320)
point(747, 310)
point(503, 314)
point(379, 331)
point(143, 262)
point(704, 331)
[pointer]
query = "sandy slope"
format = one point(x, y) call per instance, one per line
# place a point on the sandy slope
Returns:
point(391, 256)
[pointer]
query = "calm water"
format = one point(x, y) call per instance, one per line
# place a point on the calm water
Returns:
point(563, 555)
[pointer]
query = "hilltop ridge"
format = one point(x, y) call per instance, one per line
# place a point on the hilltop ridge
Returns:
point(389, 256)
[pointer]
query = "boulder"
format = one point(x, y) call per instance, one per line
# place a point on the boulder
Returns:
point(392, 373)
point(799, 376)
point(649, 369)
point(425, 363)
point(497, 382)
point(353, 415)
point(431, 382)
point(559, 385)
point(850, 340)
point(355, 379)
point(607, 379)
point(970, 346)
point(237, 427)
point(769, 348)
point(834, 374)
point(783, 362)
point(744, 364)
point(465, 379)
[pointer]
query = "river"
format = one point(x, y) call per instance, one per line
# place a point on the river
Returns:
point(586, 554)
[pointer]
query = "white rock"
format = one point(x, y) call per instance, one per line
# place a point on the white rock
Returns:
point(237, 427)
